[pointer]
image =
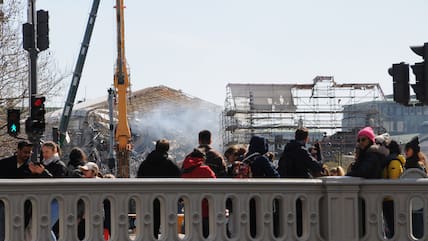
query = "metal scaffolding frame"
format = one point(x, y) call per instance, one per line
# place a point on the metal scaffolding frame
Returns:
point(276, 110)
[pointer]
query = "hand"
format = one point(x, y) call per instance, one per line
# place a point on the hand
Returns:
point(36, 168)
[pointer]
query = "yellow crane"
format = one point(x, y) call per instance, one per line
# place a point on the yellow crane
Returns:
point(121, 84)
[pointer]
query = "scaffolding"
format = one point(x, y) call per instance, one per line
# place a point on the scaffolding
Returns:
point(276, 110)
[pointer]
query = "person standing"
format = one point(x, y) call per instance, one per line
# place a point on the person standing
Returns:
point(16, 166)
point(90, 170)
point(415, 159)
point(413, 154)
point(369, 159)
point(213, 158)
point(158, 165)
point(194, 167)
point(393, 170)
point(296, 161)
point(51, 165)
point(77, 158)
point(260, 164)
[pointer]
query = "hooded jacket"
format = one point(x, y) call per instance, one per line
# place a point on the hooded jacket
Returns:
point(157, 164)
point(260, 164)
point(369, 163)
point(193, 167)
point(297, 162)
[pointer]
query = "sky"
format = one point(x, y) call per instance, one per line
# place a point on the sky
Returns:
point(200, 46)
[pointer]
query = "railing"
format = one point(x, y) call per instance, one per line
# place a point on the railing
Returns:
point(335, 209)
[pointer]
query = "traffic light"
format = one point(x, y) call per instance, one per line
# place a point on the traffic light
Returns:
point(400, 79)
point(42, 30)
point(37, 118)
point(28, 36)
point(13, 125)
point(421, 73)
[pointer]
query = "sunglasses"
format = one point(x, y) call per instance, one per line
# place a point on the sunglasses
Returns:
point(361, 140)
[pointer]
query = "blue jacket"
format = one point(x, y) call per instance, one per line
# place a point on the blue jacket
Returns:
point(260, 164)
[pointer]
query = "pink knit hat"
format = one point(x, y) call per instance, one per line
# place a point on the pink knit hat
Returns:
point(367, 132)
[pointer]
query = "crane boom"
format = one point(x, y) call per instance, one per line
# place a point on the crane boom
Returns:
point(68, 107)
point(121, 83)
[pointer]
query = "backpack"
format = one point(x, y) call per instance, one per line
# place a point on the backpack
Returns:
point(394, 167)
point(242, 169)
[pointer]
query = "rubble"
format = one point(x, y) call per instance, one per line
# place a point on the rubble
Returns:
point(153, 113)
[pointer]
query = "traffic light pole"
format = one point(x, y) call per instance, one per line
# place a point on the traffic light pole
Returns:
point(33, 54)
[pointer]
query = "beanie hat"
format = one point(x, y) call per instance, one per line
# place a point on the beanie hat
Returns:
point(367, 132)
point(414, 144)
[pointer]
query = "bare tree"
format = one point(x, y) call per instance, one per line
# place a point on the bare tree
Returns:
point(14, 65)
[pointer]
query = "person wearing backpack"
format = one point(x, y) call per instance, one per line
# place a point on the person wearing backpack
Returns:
point(395, 161)
point(260, 165)
point(393, 169)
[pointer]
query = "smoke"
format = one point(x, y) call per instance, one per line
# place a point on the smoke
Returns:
point(180, 124)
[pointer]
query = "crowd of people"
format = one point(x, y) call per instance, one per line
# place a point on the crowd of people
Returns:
point(375, 157)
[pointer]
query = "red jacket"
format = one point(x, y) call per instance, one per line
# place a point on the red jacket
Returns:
point(193, 168)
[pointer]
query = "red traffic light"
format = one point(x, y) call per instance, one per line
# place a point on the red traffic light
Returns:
point(38, 101)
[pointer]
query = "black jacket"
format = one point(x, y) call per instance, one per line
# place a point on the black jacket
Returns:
point(9, 168)
point(297, 162)
point(56, 168)
point(157, 164)
point(260, 164)
point(369, 164)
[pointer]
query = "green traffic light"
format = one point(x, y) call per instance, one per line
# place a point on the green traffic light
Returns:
point(13, 128)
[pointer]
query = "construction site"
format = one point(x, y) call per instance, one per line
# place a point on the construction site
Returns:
point(154, 113)
point(276, 110)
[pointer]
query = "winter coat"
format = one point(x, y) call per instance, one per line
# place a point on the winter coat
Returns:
point(193, 167)
point(260, 165)
point(369, 164)
point(297, 162)
point(54, 167)
point(215, 161)
point(413, 162)
point(394, 167)
point(9, 168)
point(73, 171)
point(73, 167)
point(157, 164)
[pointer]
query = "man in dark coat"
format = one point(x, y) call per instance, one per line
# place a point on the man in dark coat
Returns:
point(213, 158)
point(158, 165)
point(16, 166)
point(296, 161)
